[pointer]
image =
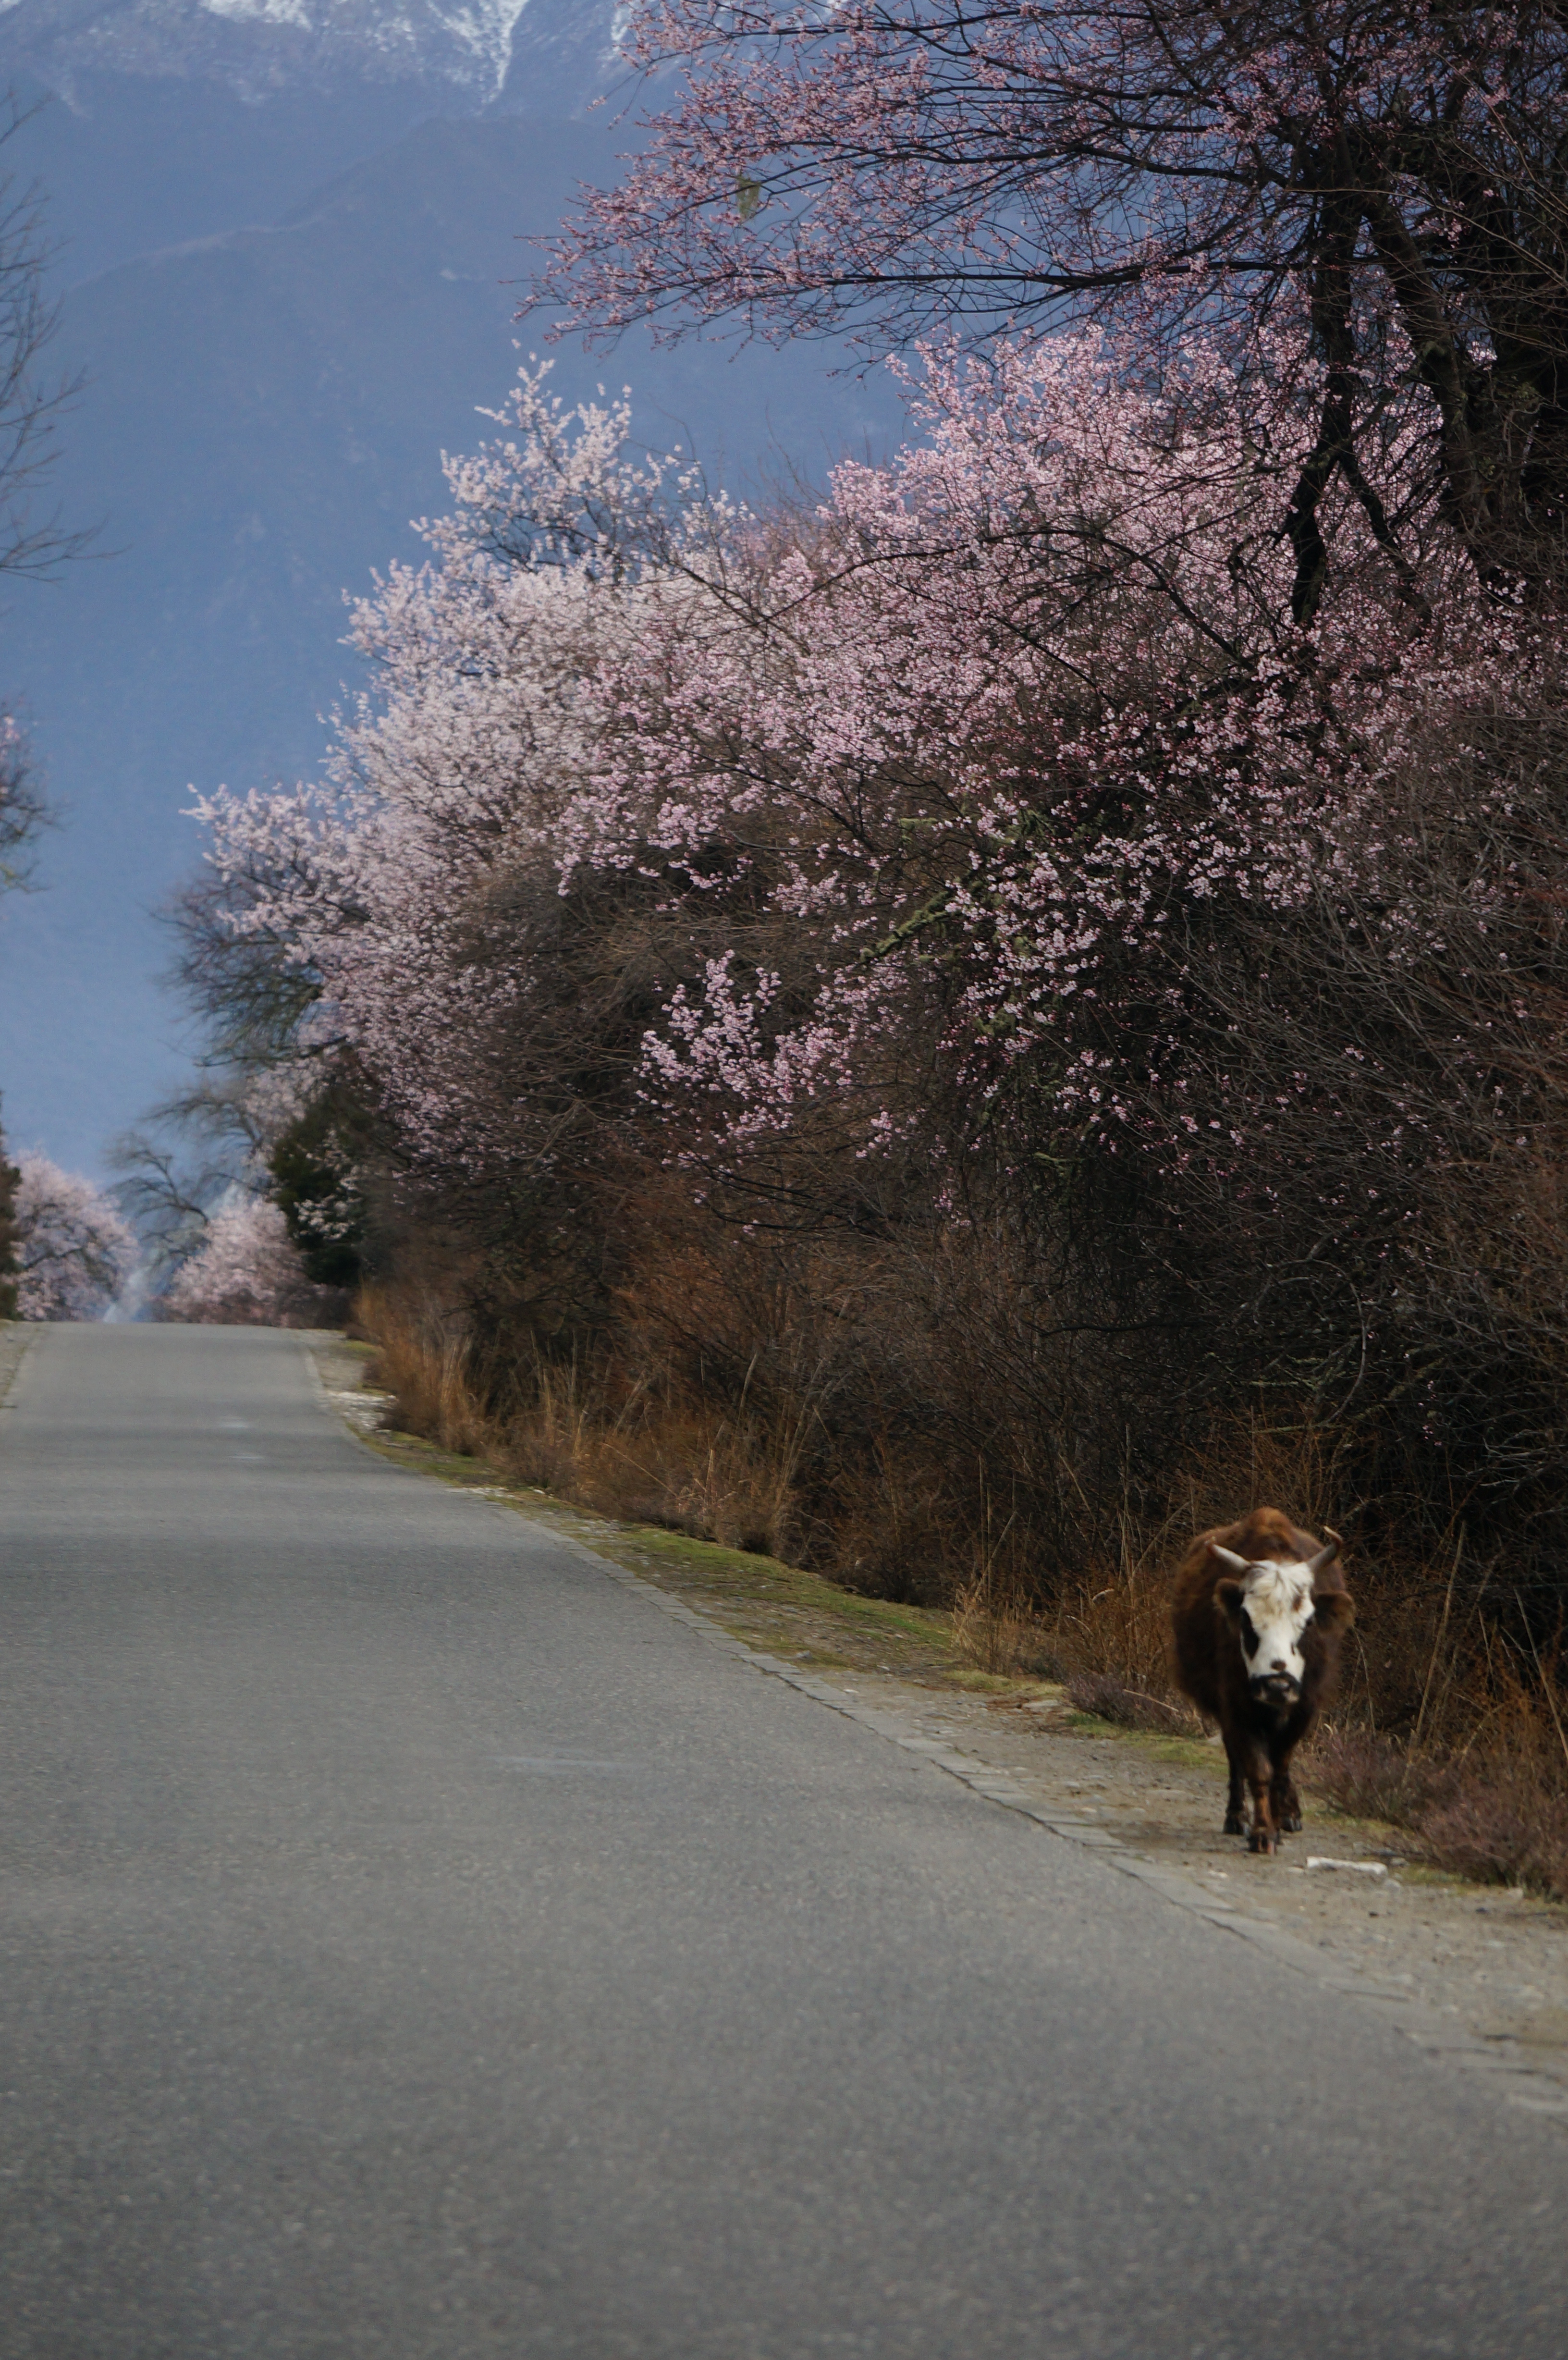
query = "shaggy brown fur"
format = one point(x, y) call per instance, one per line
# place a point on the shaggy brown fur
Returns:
point(1261, 1732)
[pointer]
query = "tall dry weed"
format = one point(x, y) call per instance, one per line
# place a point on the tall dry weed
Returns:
point(1110, 1629)
point(1489, 1799)
point(643, 1455)
point(996, 1622)
point(422, 1359)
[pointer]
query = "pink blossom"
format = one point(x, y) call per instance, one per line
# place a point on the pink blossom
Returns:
point(246, 1273)
point(74, 1253)
point(967, 763)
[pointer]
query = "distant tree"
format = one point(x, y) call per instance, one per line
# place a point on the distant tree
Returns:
point(1380, 193)
point(74, 1251)
point(21, 806)
point(209, 1146)
point(9, 1177)
point(33, 539)
point(246, 1273)
point(315, 1188)
point(164, 1199)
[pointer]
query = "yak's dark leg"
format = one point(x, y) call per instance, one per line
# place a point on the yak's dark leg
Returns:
point(1263, 1835)
point(1235, 1825)
point(1285, 1802)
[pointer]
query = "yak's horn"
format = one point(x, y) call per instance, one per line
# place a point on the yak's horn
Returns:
point(1229, 1556)
point(1325, 1557)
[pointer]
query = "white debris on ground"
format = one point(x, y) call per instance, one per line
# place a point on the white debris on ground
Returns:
point(363, 1412)
point(340, 1371)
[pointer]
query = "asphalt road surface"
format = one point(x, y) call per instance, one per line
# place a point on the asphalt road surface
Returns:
point(415, 1945)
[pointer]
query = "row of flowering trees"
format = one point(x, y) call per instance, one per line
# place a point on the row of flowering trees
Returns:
point(68, 1253)
point(978, 738)
point(243, 1271)
point(983, 887)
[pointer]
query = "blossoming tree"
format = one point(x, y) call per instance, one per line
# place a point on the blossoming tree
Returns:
point(1387, 185)
point(987, 743)
point(246, 1273)
point(74, 1251)
point(9, 1179)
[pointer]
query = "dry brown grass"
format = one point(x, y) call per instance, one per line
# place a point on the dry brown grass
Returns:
point(997, 1628)
point(654, 1462)
point(1494, 1807)
point(1110, 1636)
point(422, 1360)
point(634, 1452)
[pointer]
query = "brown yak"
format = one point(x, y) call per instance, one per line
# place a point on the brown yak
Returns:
point(1257, 1611)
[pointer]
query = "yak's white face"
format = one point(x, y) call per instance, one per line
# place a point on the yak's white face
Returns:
point(1272, 1613)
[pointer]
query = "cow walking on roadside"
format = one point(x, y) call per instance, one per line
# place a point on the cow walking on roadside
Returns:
point(1259, 1609)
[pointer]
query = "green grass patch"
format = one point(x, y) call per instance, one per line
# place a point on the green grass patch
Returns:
point(775, 1607)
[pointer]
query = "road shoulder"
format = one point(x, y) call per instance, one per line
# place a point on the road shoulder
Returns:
point(16, 1334)
point(1477, 1976)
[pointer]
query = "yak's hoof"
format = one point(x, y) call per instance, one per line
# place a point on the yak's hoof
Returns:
point(1235, 1825)
point(1290, 1825)
point(1262, 1840)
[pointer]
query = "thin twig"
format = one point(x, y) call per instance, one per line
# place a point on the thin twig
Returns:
point(1437, 1643)
point(1548, 1688)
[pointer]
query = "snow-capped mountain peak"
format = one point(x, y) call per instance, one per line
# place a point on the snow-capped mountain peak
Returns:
point(260, 46)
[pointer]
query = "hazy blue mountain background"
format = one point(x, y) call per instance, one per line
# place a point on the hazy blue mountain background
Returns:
point(287, 232)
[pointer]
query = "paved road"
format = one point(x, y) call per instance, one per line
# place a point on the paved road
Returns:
point(417, 1945)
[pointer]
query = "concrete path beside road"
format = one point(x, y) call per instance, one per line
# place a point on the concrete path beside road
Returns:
point(416, 1945)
